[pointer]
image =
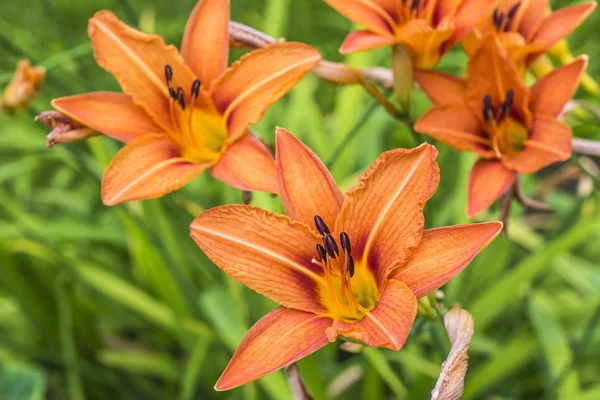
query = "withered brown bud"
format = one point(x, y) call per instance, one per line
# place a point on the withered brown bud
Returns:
point(24, 87)
point(64, 129)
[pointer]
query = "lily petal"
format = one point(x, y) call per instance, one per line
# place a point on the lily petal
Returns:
point(383, 215)
point(458, 127)
point(205, 45)
point(137, 61)
point(529, 17)
point(247, 165)
point(266, 252)
point(305, 185)
point(368, 13)
point(443, 253)
point(113, 114)
point(278, 339)
point(562, 22)
point(388, 325)
point(549, 142)
point(257, 80)
point(146, 168)
point(425, 41)
point(441, 88)
point(551, 92)
point(467, 16)
point(365, 40)
point(489, 179)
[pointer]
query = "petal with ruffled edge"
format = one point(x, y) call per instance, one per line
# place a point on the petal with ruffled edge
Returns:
point(383, 215)
point(441, 88)
point(266, 252)
point(112, 114)
point(552, 91)
point(205, 45)
point(305, 185)
point(278, 339)
point(549, 142)
point(458, 127)
point(137, 61)
point(489, 179)
point(368, 13)
point(146, 168)
point(443, 253)
point(365, 40)
point(257, 80)
point(388, 324)
point(247, 165)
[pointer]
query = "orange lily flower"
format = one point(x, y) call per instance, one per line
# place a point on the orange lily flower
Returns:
point(513, 128)
point(526, 29)
point(182, 114)
point(363, 286)
point(426, 28)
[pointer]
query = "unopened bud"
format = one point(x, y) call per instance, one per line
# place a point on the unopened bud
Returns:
point(64, 129)
point(24, 87)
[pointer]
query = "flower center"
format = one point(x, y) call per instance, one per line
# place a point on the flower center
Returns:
point(503, 21)
point(198, 129)
point(415, 9)
point(507, 133)
point(350, 291)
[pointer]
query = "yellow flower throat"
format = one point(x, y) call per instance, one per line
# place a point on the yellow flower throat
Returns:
point(198, 129)
point(350, 290)
point(507, 133)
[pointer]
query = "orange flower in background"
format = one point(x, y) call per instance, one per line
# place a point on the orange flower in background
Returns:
point(24, 87)
point(528, 28)
point(351, 266)
point(182, 114)
point(427, 29)
point(511, 127)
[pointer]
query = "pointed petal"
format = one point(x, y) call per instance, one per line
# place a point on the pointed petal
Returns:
point(458, 127)
point(266, 252)
point(365, 40)
point(305, 185)
point(146, 168)
point(113, 114)
point(258, 79)
point(278, 339)
point(138, 63)
point(562, 22)
point(489, 180)
point(549, 142)
point(441, 88)
point(468, 15)
point(551, 92)
point(205, 46)
point(247, 165)
point(442, 254)
point(529, 17)
point(426, 42)
point(388, 325)
point(368, 13)
point(383, 215)
point(491, 72)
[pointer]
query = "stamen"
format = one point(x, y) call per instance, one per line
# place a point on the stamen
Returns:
point(331, 246)
point(168, 74)
point(498, 19)
point(489, 112)
point(345, 242)
point(350, 265)
point(415, 6)
point(507, 105)
point(180, 98)
point(321, 226)
point(513, 10)
point(172, 93)
point(196, 89)
point(322, 253)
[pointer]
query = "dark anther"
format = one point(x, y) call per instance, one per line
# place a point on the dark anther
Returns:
point(350, 265)
point(195, 88)
point(180, 98)
point(172, 93)
point(489, 112)
point(508, 103)
point(513, 10)
point(168, 74)
point(498, 19)
point(322, 253)
point(321, 226)
point(345, 242)
point(331, 246)
point(415, 5)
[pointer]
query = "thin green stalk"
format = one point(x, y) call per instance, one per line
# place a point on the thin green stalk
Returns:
point(583, 169)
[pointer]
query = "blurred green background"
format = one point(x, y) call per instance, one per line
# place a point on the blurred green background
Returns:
point(118, 302)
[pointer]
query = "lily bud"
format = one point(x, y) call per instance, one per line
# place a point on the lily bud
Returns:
point(64, 129)
point(24, 87)
point(337, 73)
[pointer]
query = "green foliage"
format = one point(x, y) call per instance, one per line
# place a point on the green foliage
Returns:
point(99, 302)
